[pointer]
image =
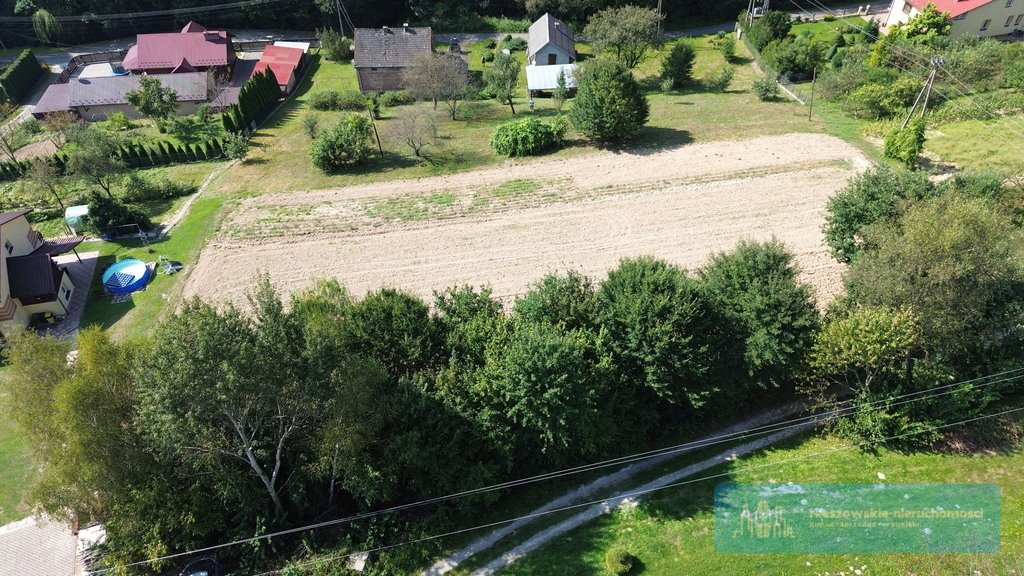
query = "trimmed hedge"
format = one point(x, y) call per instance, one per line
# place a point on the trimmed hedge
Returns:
point(352, 100)
point(256, 99)
point(162, 153)
point(18, 79)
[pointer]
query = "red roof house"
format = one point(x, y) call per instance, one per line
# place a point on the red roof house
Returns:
point(285, 63)
point(982, 18)
point(194, 49)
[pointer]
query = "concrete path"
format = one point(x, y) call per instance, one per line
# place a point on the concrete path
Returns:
point(591, 489)
point(632, 496)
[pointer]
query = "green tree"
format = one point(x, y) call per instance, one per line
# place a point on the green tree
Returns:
point(344, 145)
point(502, 79)
point(609, 105)
point(878, 194)
point(107, 214)
point(678, 64)
point(395, 329)
point(955, 262)
point(757, 285)
point(561, 91)
point(628, 32)
point(905, 144)
point(568, 301)
point(335, 46)
point(93, 156)
point(669, 342)
point(153, 99)
point(926, 27)
point(236, 145)
point(773, 25)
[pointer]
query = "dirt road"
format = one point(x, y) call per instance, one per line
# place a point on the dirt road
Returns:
point(508, 226)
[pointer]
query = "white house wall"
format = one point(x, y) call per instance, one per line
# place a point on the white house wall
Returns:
point(970, 23)
point(541, 57)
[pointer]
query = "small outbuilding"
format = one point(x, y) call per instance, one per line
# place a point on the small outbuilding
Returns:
point(285, 62)
point(551, 42)
point(545, 78)
point(381, 55)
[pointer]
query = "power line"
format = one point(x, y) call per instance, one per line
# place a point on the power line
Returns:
point(834, 412)
point(647, 491)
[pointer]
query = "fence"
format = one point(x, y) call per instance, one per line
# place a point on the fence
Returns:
point(85, 59)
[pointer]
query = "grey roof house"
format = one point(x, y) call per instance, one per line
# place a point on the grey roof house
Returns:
point(551, 42)
point(381, 55)
point(98, 98)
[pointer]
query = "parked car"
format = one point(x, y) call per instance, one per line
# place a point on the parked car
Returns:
point(202, 567)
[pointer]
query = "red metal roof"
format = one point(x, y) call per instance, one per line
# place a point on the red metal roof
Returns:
point(282, 60)
point(953, 7)
point(194, 44)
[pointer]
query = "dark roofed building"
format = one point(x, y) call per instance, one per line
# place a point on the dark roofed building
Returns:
point(98, 98)
point(381, 55)
point(193, 49)
point(551, 42)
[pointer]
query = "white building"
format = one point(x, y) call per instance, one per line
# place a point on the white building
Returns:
point(969, 17)
point(551, 42)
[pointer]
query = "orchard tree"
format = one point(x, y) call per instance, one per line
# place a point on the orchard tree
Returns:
point(60, 124)
point(628, 33)
point(609, 105)
point(344, 145)
point(502, 79)
point(416, 128)
point(439, 78)
point(43, 175)
point(153, 99)
point(93, 156)
point(757, 285)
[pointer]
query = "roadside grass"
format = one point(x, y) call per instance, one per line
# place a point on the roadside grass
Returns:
point(991, 144)
point(672, 532)
point(279, 161)
point(16, 468)
point(827, 31)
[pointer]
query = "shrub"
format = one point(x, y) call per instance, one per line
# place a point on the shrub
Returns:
point(20, 76)
point(106, 212)
point(867, 102)
point(678, 65)
point(609, 103)
point(727, 46)
point(119, 121)
point(905, 144)
point(766, 89)
point(718, 80)
point(618, 560)
point(774, 25)
point(310, 122)
point(1013, 76)
point(488, 56)
point(794, 57)
point(526, 137)
point(507, 38)
point(829, 17)
point(344, 145)
point(490, 44)
point(514, 45)
point(352, 100)
point(236, 146)
point(668, 85)
point(395, 98)
point(335, 46)
point(140, 189)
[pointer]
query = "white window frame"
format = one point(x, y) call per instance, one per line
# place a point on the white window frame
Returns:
point(984, 25)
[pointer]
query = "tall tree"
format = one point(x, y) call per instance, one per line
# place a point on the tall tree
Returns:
point(153, 99)
point(93, 156)
point(439, 77)
point(628, 33)
point(502, 79)
point(43, 175)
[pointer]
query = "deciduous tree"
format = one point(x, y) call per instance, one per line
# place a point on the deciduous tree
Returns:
point(502, 79)
point(627, 32)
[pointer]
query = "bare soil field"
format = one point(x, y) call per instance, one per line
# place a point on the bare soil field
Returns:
point(508, 226)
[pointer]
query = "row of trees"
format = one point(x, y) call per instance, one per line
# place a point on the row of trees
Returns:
point(227, 424)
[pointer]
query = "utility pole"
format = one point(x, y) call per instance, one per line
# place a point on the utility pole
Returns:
point(341, 27)
point(659, 17)
point(814, 79)
point(926, 91)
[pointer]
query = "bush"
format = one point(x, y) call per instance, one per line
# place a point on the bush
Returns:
point(668, 85)
point(905, 144)
point(718, 80)
point(727, 46)
point(829, 17)
point(20, 76)
point(335, 46)
point(1013, 76)
point(490, 44)
point(766, 89)
point(140, 189)
point(678, 65)
point(119, 121)
point(618, 560)
point(106, 212)
point(347, 144)
point(395, 98)
point(310, 122)
point(236, 146)
point(609, 103)
point(31, 126)
point(526, 137)
point(774, 25)
point(514, 45)
point(352, 100)
point(867, 102)
point(488, 56)
point(794, 57)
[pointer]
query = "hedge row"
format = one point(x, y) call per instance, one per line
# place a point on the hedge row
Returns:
point(161, 153)
point(255, 100)
point(18, 79)
point(12, 170)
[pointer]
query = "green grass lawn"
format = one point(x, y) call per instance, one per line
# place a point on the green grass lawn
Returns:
point(672, 533)
point(280, 159)
point(990, 144)
point(827, 31)
point(16, 469)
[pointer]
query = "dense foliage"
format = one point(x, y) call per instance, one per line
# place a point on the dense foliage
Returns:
point(347, 143)
point(334, 45)
point(678, 64)
point(257, 98)
point(609, 105)
point(109, 214)
point(627, 33)
point(905, 144)
point(352, 100)
point(527, 137)
point(18, 78)
point(153, 99)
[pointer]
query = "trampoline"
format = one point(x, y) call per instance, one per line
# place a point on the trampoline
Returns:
point(126, 276)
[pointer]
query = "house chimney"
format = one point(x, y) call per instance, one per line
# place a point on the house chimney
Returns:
point(405, 27)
